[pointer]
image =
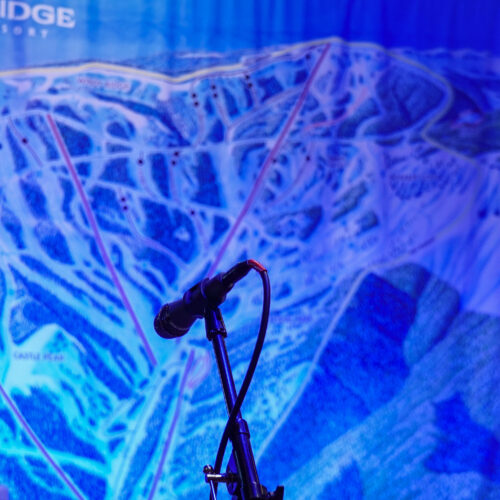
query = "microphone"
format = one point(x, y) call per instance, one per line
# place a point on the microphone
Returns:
point(176, 318)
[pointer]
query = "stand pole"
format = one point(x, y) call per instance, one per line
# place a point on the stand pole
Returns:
point(250, 487)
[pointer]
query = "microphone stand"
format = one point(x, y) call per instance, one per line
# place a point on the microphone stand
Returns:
point(242, 478)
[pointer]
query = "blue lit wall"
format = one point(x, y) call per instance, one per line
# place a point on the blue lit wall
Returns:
point(353, 149)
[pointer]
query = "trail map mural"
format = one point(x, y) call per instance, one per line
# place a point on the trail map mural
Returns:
point(365, 180)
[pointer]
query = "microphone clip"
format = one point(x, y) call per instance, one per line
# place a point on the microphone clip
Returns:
point(214, 324)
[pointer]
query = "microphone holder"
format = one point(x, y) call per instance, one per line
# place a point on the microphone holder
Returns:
point(241, 478)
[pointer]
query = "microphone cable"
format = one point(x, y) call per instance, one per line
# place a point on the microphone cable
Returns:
point(266, 305)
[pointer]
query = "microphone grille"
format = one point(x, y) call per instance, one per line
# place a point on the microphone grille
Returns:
point(164, 322)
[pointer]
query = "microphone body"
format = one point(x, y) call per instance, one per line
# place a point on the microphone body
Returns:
point(176, 318)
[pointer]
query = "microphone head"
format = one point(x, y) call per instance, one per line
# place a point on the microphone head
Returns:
point(173, 321)
point(176, 318)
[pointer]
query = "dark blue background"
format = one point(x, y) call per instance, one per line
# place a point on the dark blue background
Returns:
point(117, 32)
